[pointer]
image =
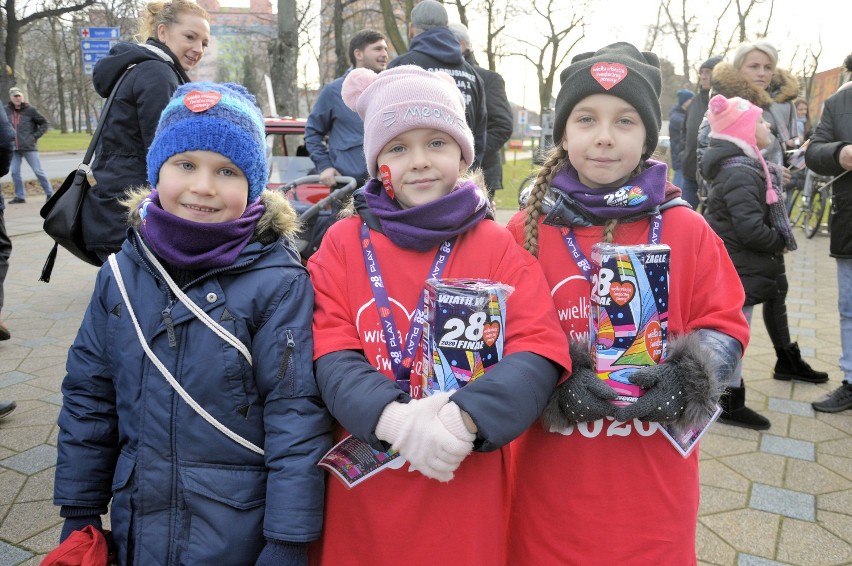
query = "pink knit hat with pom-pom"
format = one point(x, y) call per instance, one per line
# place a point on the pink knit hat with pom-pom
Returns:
point(405, 98)
point(735, 120)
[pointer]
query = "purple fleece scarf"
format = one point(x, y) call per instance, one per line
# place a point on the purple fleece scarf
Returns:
point(195, 245)
point(423, 227)
point(644, 192)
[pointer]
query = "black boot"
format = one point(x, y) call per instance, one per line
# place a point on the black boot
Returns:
point(790, 365)
point(735, 413)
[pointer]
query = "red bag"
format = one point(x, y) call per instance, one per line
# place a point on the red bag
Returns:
point(86, 547)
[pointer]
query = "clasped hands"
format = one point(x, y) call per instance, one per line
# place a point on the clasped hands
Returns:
point(430, 433)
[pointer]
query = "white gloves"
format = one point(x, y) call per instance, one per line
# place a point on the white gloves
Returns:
point(429, 433)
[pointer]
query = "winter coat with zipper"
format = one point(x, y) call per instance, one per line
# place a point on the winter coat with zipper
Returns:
point(29, 126)
point(776, 102)
point(128, 131)
point(182, 492)
point(736, 209)
point(438, 50)
point(822, 156)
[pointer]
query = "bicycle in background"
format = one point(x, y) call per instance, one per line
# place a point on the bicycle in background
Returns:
point(807, 205)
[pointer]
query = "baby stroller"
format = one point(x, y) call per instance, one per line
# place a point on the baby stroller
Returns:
point(318, 207)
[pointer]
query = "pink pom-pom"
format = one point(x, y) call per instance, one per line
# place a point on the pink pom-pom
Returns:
point(718, 104)
point(355, 84)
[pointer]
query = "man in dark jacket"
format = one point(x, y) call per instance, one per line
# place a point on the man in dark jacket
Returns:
point(691, 123)
point(334, 134)
point(434, 48)
point(499, 121)
point(28, 125)
point(830, 153)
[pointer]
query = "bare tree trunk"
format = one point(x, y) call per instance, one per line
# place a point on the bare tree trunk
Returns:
point(284, 55)
point(400, 44)
point(60, 84)
point(340, 51)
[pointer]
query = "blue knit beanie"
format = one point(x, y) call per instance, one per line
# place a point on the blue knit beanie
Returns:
point(207, 116)
point(683, 95)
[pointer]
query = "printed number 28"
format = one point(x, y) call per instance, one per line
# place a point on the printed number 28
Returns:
point(455, 327)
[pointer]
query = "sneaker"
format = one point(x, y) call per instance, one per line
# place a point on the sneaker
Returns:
point(17, 200)
point(4, 332)
point(838, 400)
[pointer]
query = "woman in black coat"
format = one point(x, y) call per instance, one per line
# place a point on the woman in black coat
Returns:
point(175, 36)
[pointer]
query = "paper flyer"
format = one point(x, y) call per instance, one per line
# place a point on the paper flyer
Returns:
point(685, 440)
point(353, 461)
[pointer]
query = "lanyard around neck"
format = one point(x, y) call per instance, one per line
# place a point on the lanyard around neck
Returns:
point(583, 262)
point(401, 359)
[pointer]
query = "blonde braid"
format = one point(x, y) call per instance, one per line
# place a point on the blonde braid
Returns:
point(555, 160)
point(609, 230)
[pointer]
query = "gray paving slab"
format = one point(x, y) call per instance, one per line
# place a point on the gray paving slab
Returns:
point(791, 485)
point(783, 502)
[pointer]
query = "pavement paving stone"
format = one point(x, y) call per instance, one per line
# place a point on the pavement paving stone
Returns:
point(740, 468)
point(33, 460)
point(783, 502)
point(787, 447)
point(749, 560)
point(790, 407)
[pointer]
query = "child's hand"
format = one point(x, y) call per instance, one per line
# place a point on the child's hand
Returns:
point(419, 434)
point(583, 397)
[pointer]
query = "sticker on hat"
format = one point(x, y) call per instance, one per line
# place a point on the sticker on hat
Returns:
point(198, 101)
point(609, 74)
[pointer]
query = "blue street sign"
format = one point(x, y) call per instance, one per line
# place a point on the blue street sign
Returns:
point(100, 33)
point(96, 46)
point(93, 57)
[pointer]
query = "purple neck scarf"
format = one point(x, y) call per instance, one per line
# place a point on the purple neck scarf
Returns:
point(643, 193)
point(195, 245)
point(423, 227)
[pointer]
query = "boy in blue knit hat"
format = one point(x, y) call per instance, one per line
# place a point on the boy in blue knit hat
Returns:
point(190, 402)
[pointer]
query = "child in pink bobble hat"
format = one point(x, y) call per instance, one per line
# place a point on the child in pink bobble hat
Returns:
point(745, 207)
point(417, 216)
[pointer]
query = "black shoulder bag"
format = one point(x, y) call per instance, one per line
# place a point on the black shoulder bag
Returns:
point(62, 214)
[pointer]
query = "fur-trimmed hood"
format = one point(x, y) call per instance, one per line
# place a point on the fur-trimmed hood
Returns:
point(727, 81)
point(279, 220)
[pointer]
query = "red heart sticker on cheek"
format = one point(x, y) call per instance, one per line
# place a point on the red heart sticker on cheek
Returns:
point(387, 182)
point(198, 101)
point(609, 74)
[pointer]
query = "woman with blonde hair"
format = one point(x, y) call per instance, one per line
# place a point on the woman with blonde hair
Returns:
point(172, 38)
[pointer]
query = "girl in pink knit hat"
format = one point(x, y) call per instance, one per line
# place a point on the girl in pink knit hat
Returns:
point(746, 208)
point(419, 217)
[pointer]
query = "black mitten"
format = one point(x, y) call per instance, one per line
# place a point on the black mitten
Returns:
point(684, 389)
point(582, 397)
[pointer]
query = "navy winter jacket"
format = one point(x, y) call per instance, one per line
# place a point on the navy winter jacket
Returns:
point(181, 491)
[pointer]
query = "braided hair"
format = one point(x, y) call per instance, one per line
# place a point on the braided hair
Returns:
point(556, 159)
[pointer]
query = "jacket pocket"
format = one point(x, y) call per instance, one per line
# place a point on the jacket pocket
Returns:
point(225, 509)
point(295, 373)
point(121, 511)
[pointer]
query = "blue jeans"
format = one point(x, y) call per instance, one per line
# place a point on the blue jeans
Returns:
point(844, 305)
point(737, 376)
point(32, 160)
point(690, 190)
point(677, 179)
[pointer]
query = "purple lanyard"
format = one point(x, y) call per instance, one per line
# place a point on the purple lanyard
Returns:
point(401, 361)
point(583, 262)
